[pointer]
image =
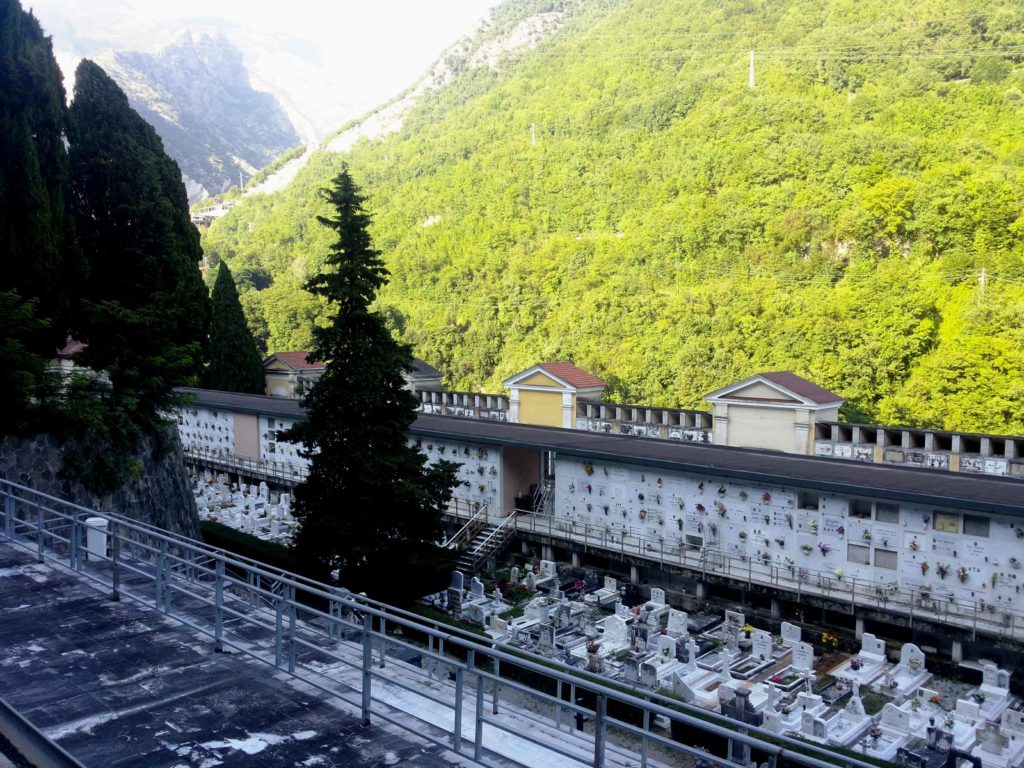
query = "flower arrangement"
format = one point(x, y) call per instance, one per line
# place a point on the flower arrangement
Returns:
point(856, 663)
point(825, 547)
point(766, 497)
point(942, 569)
point(866, 535)
point(743, 495)
point(839, 573)
point(701, 508)
point(781, 542)
point(961, 574)
point(743, 535)
point(829, 642)
point(806, 548)
point(935, 699)
point(588, 468)
point(1014, 562)
point(925, 567)
point(721, 489)
point(914, 545)
point(789, 564)
point(914, 664)
point(814, 526)
point(767, 519)
point(841, 530)
point(766, 556)
point(643, 514)
point(747, 629)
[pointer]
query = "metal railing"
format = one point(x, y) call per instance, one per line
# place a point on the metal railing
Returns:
point(798, 576)
point(257, 469)
point(468, 532)
point(338, 644)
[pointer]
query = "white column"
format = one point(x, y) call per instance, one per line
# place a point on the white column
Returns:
point(513, 406)
point(567, 410)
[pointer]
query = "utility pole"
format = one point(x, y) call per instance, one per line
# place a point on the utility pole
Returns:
point(533, 134)
point(750, 78)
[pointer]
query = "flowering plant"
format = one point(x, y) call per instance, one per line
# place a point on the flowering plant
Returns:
point(829, 641)
point(962, 573)
point(839, 573)
point(856, 663)
point(924, 567)
point(588, 468)
point(825, 547)
point(766, 496)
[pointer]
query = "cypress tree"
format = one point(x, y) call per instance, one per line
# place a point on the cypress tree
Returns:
point(371, 506)
point(38, 261)
point(235, 361)
point(147, 310)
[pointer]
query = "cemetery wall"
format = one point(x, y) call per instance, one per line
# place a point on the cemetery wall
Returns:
point(785, 535)
point(159, 494)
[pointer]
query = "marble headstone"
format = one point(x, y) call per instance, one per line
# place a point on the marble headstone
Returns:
point(803, 657)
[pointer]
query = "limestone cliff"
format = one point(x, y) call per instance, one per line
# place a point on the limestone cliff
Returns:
point(161, 495)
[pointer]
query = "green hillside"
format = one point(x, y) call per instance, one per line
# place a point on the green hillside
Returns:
point(856, 217)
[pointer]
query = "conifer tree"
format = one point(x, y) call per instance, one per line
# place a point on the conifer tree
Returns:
point(235, 361)
point(147, 309)
point(371, 506)
point(38, 260)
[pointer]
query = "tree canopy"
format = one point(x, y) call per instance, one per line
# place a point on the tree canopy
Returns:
point(674, 230)
point(144, 307)
point(39, 265)
point(235, 361)
point(371, 505)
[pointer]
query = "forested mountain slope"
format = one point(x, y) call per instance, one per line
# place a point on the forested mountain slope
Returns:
point(855, 217)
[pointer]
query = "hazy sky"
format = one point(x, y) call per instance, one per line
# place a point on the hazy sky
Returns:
point(385, 44)
point(316, 52)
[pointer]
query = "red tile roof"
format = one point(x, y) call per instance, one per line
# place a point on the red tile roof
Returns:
point(71, 347)
point(297, 361)
point(570, 374)
point(801, 386)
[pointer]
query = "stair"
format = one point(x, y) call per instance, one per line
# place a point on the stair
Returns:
point(489, 542)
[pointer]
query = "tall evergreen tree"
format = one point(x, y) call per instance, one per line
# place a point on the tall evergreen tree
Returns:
point(371, 506)
point(38, 264)
point(235, 361)
point(147, 309)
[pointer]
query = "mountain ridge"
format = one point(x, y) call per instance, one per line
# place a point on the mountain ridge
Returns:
point(619, 196)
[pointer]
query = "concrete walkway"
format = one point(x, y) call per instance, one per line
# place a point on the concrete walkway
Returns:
point(117, 685)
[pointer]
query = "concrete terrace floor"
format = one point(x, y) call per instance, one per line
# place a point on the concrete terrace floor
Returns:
point(117, 684)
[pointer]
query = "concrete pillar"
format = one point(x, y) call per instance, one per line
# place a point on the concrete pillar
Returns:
point(957, 651)
point(702, 591)
point(634, 575)
point(858, 628)
point(575, 559)
point(547, 553)
point(776, 608)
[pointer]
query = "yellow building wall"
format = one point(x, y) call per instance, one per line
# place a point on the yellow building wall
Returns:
point(541, 408)
point(539, 380)
point(767, 428)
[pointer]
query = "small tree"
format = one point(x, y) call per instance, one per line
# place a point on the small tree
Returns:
point(371, 505)
point(235, 361)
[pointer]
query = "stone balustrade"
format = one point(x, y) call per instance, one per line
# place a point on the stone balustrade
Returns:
point(930, 449)
point(470, 405)
point(643, 421)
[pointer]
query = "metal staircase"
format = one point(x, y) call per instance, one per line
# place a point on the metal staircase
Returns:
point(488, 542)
